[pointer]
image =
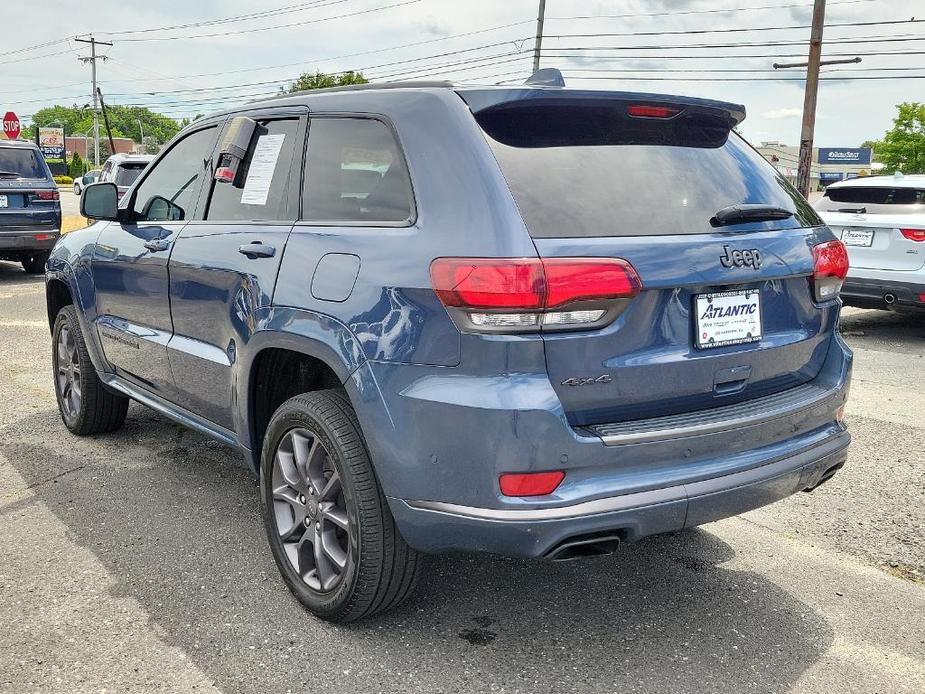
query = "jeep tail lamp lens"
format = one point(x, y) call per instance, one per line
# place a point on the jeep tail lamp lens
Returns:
point(830, 267)
point(531, 483)
point(527, 294)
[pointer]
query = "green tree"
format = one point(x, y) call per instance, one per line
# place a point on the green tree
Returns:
point(126, 121)
point(903, 146)
point(321, 80)
point(76, 169)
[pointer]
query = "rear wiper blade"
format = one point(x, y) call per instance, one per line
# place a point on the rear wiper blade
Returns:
point(10, 174)
point(853, 210)
point(737, 214)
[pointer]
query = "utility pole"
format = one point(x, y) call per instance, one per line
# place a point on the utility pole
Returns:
point(811, 95)
point(96, 108)
point(538, 46)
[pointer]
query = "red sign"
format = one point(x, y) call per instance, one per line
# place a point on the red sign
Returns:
point(11, 126)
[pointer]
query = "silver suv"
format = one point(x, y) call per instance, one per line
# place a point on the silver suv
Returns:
point(123, 170)
point(881, 219)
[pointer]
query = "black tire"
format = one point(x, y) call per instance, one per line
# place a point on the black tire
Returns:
point(97, 409)
point(34, 263)
point(380, 569)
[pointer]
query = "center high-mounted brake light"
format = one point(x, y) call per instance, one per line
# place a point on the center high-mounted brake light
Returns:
point(830, 267)
point(644, 111)
point(529, 294)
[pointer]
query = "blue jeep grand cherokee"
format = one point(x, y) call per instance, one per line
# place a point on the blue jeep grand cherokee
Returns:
point(534, 321)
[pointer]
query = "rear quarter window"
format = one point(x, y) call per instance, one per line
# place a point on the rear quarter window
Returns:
point(588, 172)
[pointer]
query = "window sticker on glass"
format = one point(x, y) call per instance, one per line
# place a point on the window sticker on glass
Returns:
point(262, 166)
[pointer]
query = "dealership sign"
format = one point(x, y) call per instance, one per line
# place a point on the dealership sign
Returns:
point(859, 156)
point(51, 142)
point(11, 126)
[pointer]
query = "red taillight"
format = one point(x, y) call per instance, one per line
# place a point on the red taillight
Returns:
point(531, 483)
point(488, 283)
point(47, 195)
point(830, 267)
point(917, 235)
point(525, 294)
point(644, 111)
point(586, 279)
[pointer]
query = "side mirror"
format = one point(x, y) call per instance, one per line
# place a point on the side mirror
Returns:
point(100, 201)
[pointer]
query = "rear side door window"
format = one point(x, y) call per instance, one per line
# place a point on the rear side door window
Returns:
point(170, 189)
point(248, 198)
point(355, 173)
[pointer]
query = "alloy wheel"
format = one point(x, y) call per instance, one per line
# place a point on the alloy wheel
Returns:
point(67, 363)
point(310, 510)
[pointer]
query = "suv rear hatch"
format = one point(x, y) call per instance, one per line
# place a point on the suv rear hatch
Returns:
point(28, 195)
point(650, 179)
point(881, 224)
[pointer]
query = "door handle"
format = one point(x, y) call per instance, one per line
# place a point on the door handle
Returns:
point(257, 250)
point(156, 245)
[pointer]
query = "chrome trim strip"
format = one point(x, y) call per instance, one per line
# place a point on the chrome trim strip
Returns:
point(586, 508)
point(716, 420)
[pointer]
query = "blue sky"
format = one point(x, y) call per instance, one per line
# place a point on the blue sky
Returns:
point(184, 71)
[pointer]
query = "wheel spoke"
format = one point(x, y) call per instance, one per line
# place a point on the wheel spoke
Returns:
point(333, 551)
point(331, 488)
point(286, 466)
point(337, 516)
point(315, 465)
point(301, 450)
point(289, 512)
point(327, 572)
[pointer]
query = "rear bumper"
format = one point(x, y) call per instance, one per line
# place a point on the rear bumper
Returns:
point(444, 438)
point(25, 240)
point(883, 293)
point(440, 527)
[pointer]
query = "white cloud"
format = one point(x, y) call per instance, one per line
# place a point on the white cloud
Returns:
point(783, 113)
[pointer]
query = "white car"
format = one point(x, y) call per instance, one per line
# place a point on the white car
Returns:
point(881, 219)
point(82, 182)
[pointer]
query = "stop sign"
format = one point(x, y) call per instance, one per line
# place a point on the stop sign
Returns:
point(11, 126)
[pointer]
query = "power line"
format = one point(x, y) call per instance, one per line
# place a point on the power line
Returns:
point(289, 9)
point(745, 44)
point(277, 26)
point(729, 30)
point(675, 13)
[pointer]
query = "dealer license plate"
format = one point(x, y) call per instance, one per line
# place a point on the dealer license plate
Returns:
point(857, 237)
point(728, 318)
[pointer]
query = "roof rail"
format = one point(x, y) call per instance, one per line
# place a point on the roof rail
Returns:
point(546, 77)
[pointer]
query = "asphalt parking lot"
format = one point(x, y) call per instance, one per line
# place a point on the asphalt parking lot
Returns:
point(136, 562)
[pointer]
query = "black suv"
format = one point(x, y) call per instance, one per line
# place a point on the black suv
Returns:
point(30, 209)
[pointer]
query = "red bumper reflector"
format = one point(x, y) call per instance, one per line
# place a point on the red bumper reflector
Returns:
point(531, 483)
point(43, 237)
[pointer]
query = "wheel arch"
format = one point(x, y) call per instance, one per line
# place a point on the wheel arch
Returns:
point(282, 364)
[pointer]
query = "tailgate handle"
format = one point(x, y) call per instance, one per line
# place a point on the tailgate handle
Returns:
point(732, 380)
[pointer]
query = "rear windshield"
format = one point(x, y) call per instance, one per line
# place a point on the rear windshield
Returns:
point(874, 199)
point(127, 174)
point(585, 172)
point(20, 163)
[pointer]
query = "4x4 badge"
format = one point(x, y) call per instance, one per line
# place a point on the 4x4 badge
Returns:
point(589, 381)
point(750, 258)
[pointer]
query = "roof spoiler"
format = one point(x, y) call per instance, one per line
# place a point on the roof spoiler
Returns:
point(546, 77)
